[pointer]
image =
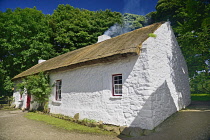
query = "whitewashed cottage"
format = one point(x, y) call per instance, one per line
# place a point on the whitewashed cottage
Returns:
point(132, 79)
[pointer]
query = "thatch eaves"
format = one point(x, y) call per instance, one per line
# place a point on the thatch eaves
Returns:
point(122, 45)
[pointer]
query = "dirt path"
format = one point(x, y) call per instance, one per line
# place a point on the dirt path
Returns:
point(190, 124)
point(14, 126)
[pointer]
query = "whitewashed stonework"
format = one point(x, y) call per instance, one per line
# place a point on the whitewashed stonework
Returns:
point(155, 85)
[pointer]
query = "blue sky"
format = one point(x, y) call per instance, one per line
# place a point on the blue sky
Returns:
point(140, 7)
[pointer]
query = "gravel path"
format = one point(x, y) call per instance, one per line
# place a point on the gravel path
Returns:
point(190, 124)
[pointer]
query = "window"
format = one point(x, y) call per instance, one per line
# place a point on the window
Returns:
point(117, 85)
point(58, 90)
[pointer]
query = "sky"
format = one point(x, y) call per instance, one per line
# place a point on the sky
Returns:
point(140, 7)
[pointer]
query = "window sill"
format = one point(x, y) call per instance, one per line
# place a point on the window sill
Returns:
point(115, 97)
point(56, 103)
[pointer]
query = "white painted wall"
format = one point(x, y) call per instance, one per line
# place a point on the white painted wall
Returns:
point(18, 102)
point(88, 91)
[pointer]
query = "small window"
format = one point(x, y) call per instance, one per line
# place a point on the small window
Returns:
point(117, 84)
point(58, 90)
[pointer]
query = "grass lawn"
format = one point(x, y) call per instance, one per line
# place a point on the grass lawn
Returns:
point(6, 107)
point(200, 97)
point(66, 124)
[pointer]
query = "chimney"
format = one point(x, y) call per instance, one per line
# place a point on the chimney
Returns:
point(40, 61)
point(103, 38)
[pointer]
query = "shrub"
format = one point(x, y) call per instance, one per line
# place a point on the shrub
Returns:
point(38, 86)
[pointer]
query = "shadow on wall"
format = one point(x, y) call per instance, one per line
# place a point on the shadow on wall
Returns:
point(159, 106)
point(180, 78)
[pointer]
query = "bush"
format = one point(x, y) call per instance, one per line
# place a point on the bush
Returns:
point(38, 86)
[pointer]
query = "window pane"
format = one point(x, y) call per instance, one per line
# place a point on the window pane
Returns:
point(120, 91)
point(116, 87)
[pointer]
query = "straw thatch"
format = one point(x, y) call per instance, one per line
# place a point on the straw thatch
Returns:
point(109, 50)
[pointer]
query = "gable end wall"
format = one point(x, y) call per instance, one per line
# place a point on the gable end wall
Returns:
point(168, 74)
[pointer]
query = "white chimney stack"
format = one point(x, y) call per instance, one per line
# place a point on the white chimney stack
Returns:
point(40, 61)
point(103, 37)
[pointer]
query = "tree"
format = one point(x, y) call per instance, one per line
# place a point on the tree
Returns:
point(200, 83)
point(191, 23)
point(172, 10)
point(24, 39)
point(74, 28)
point(194, 36)
point(133, 21)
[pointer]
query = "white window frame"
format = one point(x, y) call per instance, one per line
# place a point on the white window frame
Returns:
point(117, 84)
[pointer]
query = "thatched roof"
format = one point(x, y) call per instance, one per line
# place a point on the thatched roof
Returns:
point(125, 44)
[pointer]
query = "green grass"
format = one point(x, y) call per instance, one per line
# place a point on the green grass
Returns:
point(66, 124)
point(7, 107)
point(200, 97)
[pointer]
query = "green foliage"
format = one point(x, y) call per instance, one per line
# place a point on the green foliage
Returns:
point(150, 18)
point(38, 86)
point(88, 120)
point(152, 35)
point(24, 39)
point(200, 97)
point(74, 28)
point(133, 21)
point(194, 36)
point(200, 83)
point(172, 10)
point(8, 86)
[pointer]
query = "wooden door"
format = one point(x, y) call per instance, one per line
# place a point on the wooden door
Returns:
point(28, 102)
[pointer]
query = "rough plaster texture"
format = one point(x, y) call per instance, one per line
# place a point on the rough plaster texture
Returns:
point(155, 85)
